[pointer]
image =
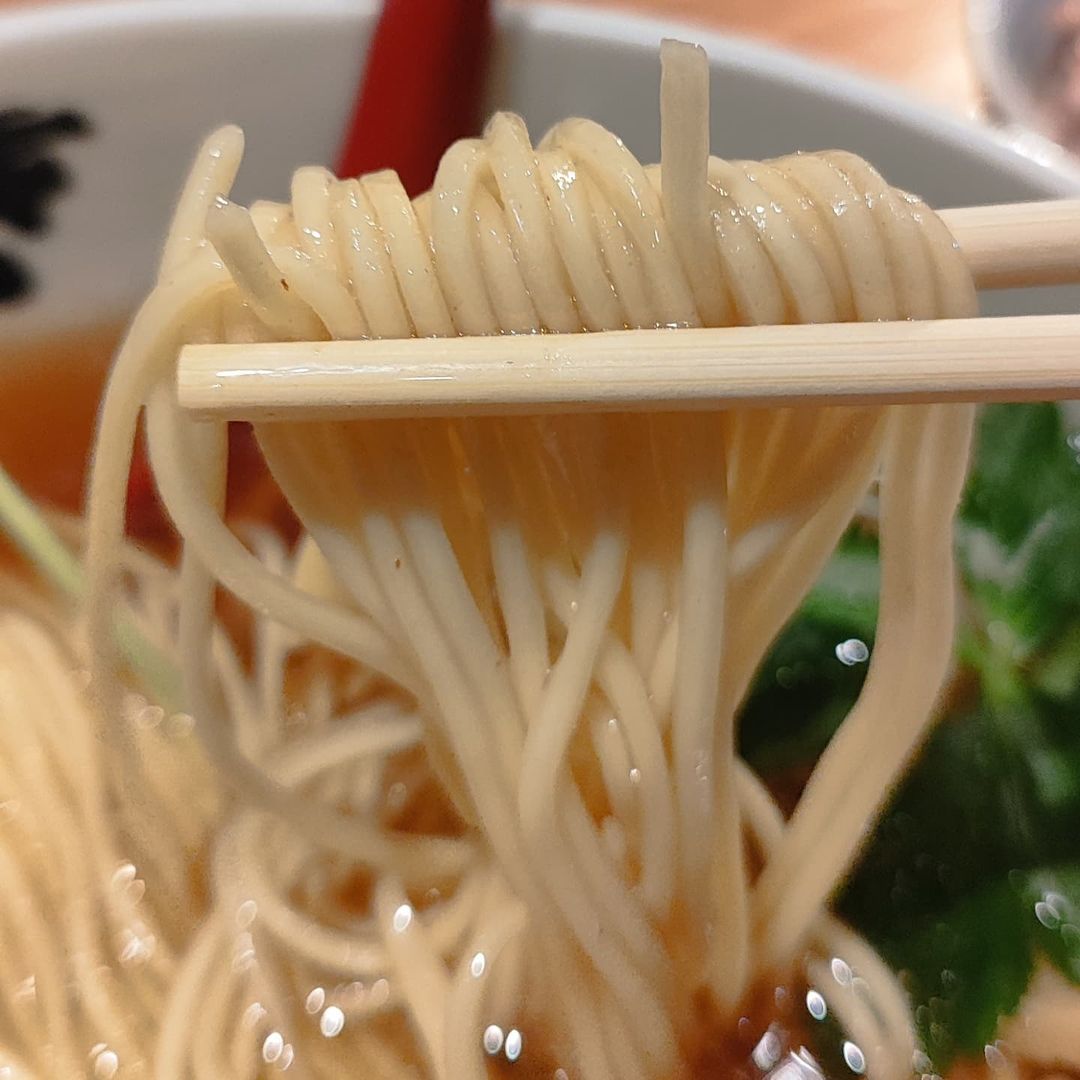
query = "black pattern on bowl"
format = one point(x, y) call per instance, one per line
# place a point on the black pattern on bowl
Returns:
point(31, 179)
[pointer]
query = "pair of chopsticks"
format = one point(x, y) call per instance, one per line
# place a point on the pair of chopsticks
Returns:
point(422, 88)
point(1022, 358)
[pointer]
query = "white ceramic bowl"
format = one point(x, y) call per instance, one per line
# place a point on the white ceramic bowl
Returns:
point(153, 76)
point(1013, 41)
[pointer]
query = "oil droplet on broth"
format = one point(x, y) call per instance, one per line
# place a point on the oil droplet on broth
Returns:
point(272, 1047)
point(785, 1030)
point(775, 1036)
point(402, 918)
point(841, 972)
point(493, 1039)
point(245, 914)
point(854, 1057)
point(106, 1062)
point(332, 1022)
point(514, 1045)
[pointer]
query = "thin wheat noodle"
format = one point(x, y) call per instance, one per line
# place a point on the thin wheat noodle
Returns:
point(535, 632)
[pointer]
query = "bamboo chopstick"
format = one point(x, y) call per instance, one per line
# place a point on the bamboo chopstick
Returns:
point(1019, 358)
point(1018, 245)
point(1005, 246)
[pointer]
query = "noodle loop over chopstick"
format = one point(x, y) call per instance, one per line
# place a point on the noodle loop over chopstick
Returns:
point(513, 815)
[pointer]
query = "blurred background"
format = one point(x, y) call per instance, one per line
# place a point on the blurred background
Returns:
point(921, 44)
point(100, 113)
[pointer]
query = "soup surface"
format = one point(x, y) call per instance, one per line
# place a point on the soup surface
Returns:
point(970, 885)
point(49, 392)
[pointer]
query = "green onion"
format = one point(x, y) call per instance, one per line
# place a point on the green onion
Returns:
point(27, 529)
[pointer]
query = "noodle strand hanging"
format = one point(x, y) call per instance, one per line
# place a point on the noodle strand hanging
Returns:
point(458, 788)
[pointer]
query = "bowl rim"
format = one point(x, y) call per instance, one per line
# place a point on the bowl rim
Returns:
point(1009, 93)
point(1030, 158)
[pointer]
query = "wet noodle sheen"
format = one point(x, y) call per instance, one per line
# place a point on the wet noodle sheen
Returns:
point(468, 801)
point(575, 605)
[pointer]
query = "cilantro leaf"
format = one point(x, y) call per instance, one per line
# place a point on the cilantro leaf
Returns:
point(993, 791)
point(970, 965)
point(1019, 532)
point(962, 884)
point(1053, 898)
point(964, 969)
point(808, 681)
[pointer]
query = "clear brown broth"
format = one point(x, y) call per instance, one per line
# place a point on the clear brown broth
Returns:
point(49, 395)
point(50, 392)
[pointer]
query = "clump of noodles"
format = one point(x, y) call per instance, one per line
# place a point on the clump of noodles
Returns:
point(88, 949)
point(130, 950)
point(569, 609)
point(109, 969)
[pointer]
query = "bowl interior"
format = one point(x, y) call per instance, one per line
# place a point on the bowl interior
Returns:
point(151, 79)
point(1013, 41)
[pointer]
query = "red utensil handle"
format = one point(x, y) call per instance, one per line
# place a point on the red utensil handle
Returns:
point(422, 88)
